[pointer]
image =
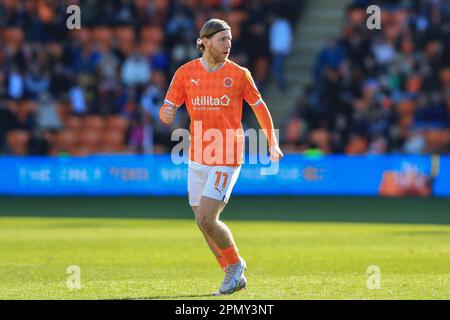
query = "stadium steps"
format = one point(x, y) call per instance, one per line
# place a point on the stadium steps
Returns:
point(320, 22)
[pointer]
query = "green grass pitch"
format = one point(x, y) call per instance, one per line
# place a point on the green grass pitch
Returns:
point(295, 247)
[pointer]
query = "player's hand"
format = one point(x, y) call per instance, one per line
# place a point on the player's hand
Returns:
point(168, 114)
point(275, 153)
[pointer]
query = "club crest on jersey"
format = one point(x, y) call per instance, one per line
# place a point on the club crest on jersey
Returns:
point(227, 82)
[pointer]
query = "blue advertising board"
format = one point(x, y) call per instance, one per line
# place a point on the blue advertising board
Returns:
point(442, 182)
point(159, 175)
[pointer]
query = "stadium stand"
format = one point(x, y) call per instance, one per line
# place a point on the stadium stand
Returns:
point(379, 91)
point(98, 89)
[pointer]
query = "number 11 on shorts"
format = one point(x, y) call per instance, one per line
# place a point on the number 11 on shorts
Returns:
point(219, 176)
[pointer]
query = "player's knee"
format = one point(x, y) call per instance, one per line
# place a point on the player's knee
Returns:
point(205, 222)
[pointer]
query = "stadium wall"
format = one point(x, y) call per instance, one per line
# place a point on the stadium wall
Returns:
point(393, 175)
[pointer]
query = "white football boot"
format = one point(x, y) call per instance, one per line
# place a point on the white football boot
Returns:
point(241, 285)
point(233, 275)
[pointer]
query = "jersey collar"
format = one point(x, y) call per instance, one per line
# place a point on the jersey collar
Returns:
point(211, 70)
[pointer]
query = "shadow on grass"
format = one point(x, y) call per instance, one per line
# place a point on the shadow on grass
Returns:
point(187, 296)
point(251, 208)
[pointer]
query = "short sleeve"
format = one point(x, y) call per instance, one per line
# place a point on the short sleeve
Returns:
point(176, 94)
point(250, 92)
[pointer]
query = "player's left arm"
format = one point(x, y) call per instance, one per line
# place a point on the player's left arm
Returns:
point(262, 113)
point(265, 121)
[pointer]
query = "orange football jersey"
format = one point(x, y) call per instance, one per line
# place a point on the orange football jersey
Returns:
point(214, 102)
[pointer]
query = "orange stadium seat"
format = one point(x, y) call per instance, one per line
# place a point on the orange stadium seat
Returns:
point(93, 122)
point(112, 141)
point(151, 39)
point(103, 36)
point(112, 137)
point(357, 145)
point(17, 141)
point(73, 123)
point(437, 140)
point(236, 17)
point(90, 138)
point(66, 140)
point(153, 34)
point(162, 4)
point(125, 39)
point(321, 138)
point(117, 123)
point(14, 37)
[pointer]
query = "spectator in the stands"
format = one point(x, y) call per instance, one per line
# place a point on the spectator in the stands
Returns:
point(135, 70)
point(280, 47)
point(47, 116)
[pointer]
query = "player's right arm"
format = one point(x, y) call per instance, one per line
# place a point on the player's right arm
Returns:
point(174, 98)
point(167, 114)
